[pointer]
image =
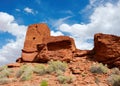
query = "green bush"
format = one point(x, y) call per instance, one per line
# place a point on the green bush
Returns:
point(70, 79)
point(56, 65)
point(59, 72)
point(21, 70)
point(114, 80)
point(66, 79)
point(115, 71)
point(40, 69)
point(25, 73)
point(99, 68)
point(62, 79)
point(3, 67)
point(44, 83)
point(4, 81)
point(5, 72)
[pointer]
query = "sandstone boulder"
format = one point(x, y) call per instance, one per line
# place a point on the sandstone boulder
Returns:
point(107, 49)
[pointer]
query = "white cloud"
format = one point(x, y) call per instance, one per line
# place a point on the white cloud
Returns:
point(12, 50)
point(93, 4)
point(18, 10)
point(57, 33)
point(29, 10)
point(8, 24)
point(56, 23)
point(105, 18)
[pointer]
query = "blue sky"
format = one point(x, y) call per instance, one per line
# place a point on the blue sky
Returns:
point(43, 10)
point(79, 19)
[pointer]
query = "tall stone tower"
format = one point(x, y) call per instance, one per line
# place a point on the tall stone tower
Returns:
point(36, 33)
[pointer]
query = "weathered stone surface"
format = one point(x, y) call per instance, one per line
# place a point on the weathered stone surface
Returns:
point(60, 42)
point(39, 46)
point(82, 53)
point(13, 65)
point(57, 48)
point(107, 49)
point(36, 33)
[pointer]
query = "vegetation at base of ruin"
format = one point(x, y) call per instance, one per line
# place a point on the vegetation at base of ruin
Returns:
point(114, 77)
point(5, 72)
point(115, 71)
point(59, 72)
point(25, 73)
point(55, 66)
point(44, 83)
point(3, 67)
point(114, 80)
point(99, 68)
point(21, 71)
point(65, 79)
point(4, 80)
point(40, 69)
point(57, 69)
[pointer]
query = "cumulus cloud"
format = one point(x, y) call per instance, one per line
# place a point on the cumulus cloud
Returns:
point(29, 10)
point(104, 19)
point(11, 51)
point(8, 24)
point(57, 33)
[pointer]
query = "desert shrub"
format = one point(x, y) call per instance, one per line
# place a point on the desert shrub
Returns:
point(115, 71)
point(44, 83)
point(99, 68)
point(4, 81)
point(25, 73)
point(3, 67)
point(66, 79)
point(5, 72)
point(114, 80)
point(40, 69)
point(21, 71)
point(59, 72)
point(62, 79)
point(56, 65)
point(70, 79)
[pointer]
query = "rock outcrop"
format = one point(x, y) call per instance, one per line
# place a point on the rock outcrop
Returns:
point(39, 46)
point(107, 49)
